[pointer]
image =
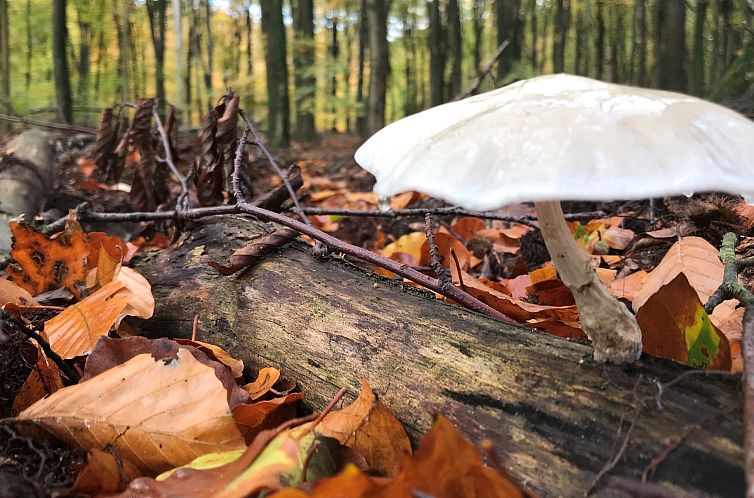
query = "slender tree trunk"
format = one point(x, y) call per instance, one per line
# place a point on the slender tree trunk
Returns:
point(639, 49)
point(60, 62)
point(334, 60)
point(599, 48)
point(697, 75)
point(249, 93)
point(180, 90)
point(560, 36)
point(436, 53)
point(617, 43)
point(478, 8)
point(409, 48)
point(100, 60)
point(670, 43)
point(361, 124)
point(120, 15)
point(533, 30)
point(5, 57)
point(156, 10)
point(83, 18)
point(578, 52)
point(303, 66)
point(505, 30)
point(210, 52)
point(454, 49)
point(29, 44)
point(378, 60)
point(278, 115)
point(348, 68)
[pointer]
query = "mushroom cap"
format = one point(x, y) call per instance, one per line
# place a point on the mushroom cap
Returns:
point(563, 137)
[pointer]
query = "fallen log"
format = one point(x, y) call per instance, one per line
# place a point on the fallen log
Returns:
point(555, 416)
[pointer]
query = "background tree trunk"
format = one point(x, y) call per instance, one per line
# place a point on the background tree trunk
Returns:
point(554, 415)
point(378, 61)
point(697, 76)
point(639, 45)
point(437, 45)
point(303, 66)
point(83, 15)
point(248, 96)
point(478, 10)
point(210, 54)
point(5, 58)
point(454, 49)
point(361, 124)
point(560, 36)
point(157, 23)
point(599, 47)
point(180, 84)
point(671, 45)
point(278, 106)
point(60, 62)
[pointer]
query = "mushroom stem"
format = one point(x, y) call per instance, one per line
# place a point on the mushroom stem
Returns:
point(610, 326)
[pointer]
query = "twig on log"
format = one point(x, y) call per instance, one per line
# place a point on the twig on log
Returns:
point(731, 289)
point(47, 124)
point(483, 72)
point(235, 178)
point(182, 202)
point(434, 254)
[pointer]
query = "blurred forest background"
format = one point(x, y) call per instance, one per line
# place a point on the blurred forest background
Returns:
point(304, 67)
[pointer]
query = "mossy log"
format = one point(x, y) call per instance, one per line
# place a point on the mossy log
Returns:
point(555, 416)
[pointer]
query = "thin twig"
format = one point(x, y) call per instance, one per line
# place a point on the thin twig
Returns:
point(483, 72)
point(619, 454)
point(639, 489)
point(236, 176)
point(403, 270)
point(258, 142)
point(32, 334)
point(182, 202)
point(434, 253)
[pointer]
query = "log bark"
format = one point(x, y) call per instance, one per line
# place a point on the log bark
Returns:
point(555, 416)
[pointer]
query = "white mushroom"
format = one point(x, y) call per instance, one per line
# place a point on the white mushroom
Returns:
point(565, 137)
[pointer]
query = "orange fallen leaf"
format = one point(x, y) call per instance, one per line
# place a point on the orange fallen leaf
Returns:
point(44, 379)
point(698, 260)
point(103, 474)
point(369, 428)
point(263, 383)
point(253, 418)
point(618, 238)
point(627, 287)
point(47, 263)
point(13, 293)
point(159, 413)
point(217, 353)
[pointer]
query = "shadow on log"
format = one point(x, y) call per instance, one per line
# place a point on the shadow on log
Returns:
point(555, 416)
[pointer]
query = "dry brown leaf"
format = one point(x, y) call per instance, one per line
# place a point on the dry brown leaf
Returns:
point(698, 260)
point(138, 292)
point(263, 383)
point(627, 287)
point(732, 328)
point(410, 244)
point(159, 413)
point(369, 428)
point(44, 379)
point(618, 238)
point(251, 419)
point(103, 474)
point(75, 331)
point(400, 201)
point(13, 293)
point(746, 211)
point(468, 227)
point(217, 353)
point(445, 243)
point(674, 325)
point(47, 263)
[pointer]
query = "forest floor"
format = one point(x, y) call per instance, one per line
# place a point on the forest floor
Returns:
point(502, 262)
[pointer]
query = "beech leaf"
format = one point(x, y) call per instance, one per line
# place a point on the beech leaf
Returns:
point(158, 413)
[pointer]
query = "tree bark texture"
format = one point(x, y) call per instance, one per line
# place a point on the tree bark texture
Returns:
point(697, 75)
point(60, 62)
point(4, 58)
point(156, 10)
point(278, 104)
point(379, 54)
point(560, 36)
point(554, 415)
point(454, 49)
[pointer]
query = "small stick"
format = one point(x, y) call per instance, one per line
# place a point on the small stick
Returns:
point(483, 72)
point(196, 326)
point(434, 253)
point(258, 142)
point(338, 396)
point(181, 202)
point(31, 334)
point(235, 178)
